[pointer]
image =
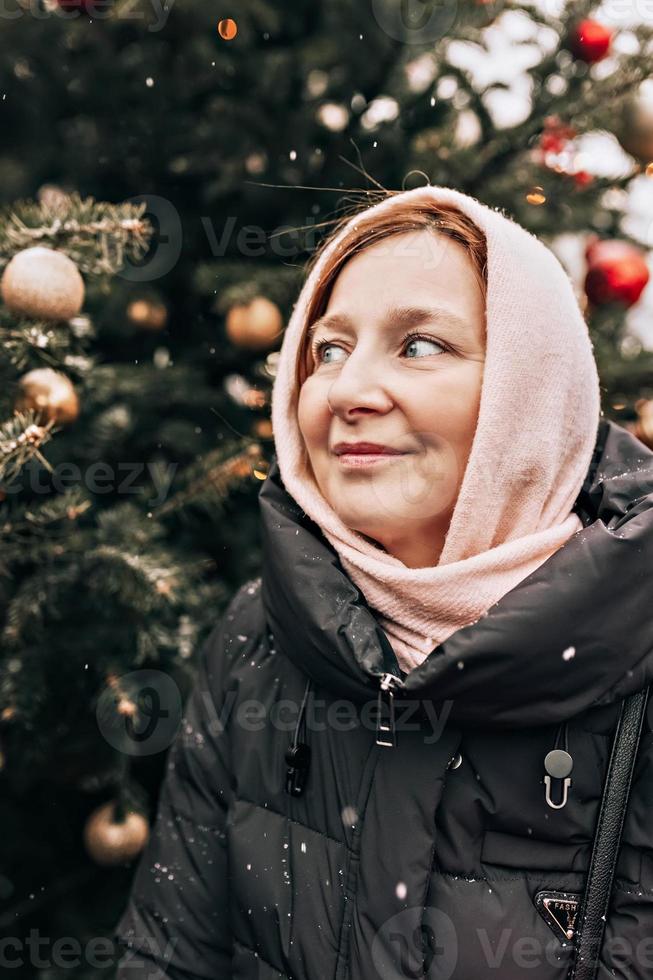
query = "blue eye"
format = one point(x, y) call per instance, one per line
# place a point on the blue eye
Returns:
point(319, 346)
point(419, 339)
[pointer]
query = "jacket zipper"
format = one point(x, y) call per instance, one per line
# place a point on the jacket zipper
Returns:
point(385, 710)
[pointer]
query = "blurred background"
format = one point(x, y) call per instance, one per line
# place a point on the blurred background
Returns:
point(167, 169)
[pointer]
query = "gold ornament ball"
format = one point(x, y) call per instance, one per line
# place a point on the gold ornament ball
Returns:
point(49, 393)
point(263, 428)
point(147, 314)
point(634, 128)
point(227, 29)
point(110, 842)
point(256, 325)
point(43, 283)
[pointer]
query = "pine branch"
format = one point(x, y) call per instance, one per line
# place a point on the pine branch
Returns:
point(21, 439)
point(180, 384)
point(141, 581)
point(31, 343)
point(98, 236)
point(36, 534)
point(36, 598)
point(211, 480)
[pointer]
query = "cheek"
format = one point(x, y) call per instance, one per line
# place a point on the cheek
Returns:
point(313, 416)
point(470, 399)
point(446, 406)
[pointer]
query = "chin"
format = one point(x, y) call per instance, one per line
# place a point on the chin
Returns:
point(368, 535)
point(361, 524)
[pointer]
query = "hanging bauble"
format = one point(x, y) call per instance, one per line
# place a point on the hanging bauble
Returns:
point(147, 314)
point(556, 135)
point(617, 273)
point(557, 150)
point(634, 124)
point(50, 394)
point(582, 178)
point(112, 841)
point(42, 283)
point(227, 29)
point(590, 41)
point(602, 250)
point(256, 325)
point(263, 428)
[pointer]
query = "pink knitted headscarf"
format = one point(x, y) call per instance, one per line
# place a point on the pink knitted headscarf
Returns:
point(536, 430)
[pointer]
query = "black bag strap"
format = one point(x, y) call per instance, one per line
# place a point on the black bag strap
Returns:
point(605, 851)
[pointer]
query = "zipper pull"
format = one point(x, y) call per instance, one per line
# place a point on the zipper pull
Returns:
point(558, 765)
point(385, 717)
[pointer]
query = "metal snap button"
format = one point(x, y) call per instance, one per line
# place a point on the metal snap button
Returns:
point(455, 761)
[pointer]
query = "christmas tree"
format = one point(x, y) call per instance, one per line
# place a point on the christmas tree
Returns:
point(108, 566)
point(139, 337)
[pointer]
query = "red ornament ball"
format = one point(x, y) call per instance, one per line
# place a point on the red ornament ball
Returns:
point(582, 178)
point(617, 273)
point(590, 41)
point(556, 134)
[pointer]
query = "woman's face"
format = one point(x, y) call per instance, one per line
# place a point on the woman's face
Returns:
point(419, 396)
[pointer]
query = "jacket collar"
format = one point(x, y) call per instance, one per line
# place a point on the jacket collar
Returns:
point(574, 634)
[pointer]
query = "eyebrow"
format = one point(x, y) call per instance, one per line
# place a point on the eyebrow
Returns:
point(396, 316)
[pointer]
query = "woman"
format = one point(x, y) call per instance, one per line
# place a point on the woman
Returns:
point(455, 581)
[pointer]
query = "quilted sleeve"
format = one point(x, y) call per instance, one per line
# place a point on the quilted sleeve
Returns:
point(176, 922)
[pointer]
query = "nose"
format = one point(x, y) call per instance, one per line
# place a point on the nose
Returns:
point(359, 387)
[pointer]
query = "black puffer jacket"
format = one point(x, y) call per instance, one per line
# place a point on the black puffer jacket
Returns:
point(431, 857)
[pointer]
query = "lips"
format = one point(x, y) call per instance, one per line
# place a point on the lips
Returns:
point(365, 449)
